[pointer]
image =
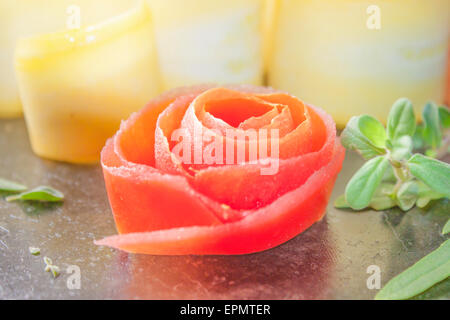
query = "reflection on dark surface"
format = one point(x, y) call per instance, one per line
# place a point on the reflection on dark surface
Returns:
point(438, 291)
point(417, 229)
point(297, 269)
point(33, 208)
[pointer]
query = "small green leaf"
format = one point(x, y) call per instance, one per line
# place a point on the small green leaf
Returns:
point(42, 193)
point(425, 273)
point(434, 173)
point(48, 261)
point(401, 120)
point(446, 228)
point(373, 130)
point(418, 141)
point(363, 184)
point(407, 195)
point(382, 203)
point(423, 201)
point(402, 148)
point(34, 251)
point(10, 186)
point(389, 175)
point(385, 188)
point(426, 195)
point(382, 198)
point(354, 139)
point(432, 131)
point(54, 271)
point(50, 267)
point(340, 202)
point(431, 153)
point(444, 117)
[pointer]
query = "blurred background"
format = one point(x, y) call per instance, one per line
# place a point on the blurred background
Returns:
point(76, 68)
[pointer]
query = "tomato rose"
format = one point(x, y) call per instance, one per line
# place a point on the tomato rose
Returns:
point(219, 170)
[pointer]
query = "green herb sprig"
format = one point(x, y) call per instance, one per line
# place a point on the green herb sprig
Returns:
point(394, 175)
point(20, 193)
point(10, 186)
point(34, 251)
point(42, 193)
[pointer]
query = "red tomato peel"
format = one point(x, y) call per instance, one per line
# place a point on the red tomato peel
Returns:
point(163, 206)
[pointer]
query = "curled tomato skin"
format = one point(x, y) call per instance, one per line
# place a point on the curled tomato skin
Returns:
point(163, 207)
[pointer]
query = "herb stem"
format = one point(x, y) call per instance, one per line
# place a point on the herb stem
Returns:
point(401, 173)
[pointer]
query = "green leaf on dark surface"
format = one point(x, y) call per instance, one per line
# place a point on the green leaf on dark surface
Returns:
point(444, 117)
point(401, 119)
point(426, 195)
point(440, 291)
point(407, 195)
point(50, 267)
point(10, 186)
point(382, 198)
point(34, 251)
point(432, 132)
point(382, 203)
point(353, 138)
point(42, 193)
point(446, 228)
point(434, 173)
point(363, 184)
point(428, 271)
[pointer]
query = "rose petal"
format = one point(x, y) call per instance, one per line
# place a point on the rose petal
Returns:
point(261, 230)
point(251, 189)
